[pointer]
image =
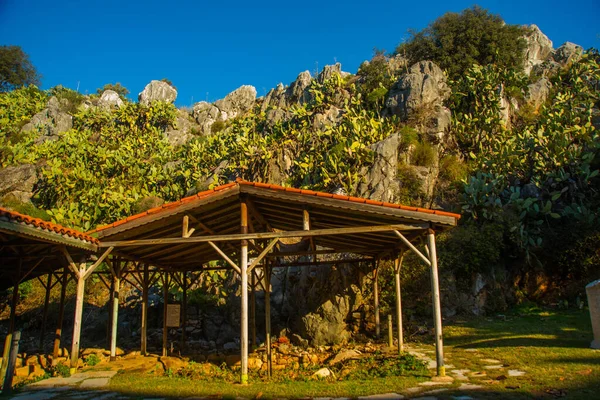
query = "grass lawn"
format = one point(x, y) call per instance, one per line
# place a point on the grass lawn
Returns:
point(551, 347)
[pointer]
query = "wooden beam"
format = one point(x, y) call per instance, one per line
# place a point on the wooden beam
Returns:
point(244, 290)
point(96, 264)
point(226, 258)
point(412, 247)
point(264, 235)
point(263, 254)
point(437, 310)
point(397, 268)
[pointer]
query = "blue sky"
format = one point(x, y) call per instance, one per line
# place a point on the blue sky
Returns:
point(208, 49)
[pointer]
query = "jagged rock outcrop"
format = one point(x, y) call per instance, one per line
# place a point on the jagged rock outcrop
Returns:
point(157, 90)
point(110, 99)
point(329, 71)
point(235, 104)
point(538, 48)
point(380, 180)
point(280, 97)
point(50, 122)
point(17, 183)
point(330, 117)
point(181, 133)
point(567, 53)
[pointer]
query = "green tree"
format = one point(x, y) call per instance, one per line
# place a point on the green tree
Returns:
point(15, 69)
point(457, 41)
point(121, 90)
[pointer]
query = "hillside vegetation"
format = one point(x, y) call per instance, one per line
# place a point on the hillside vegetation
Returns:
point(515, 151)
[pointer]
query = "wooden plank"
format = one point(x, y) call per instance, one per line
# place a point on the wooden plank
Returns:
point(246, 236)
point(263, 254)
point(412, 247)
point(96, 264)
point(226, 258)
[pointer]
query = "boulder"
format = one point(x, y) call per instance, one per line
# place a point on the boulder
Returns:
point(329, 71)
point(538, 92)
point(206, 115)
point(237, 102)
point(50, 122)
point(172, 363)
point(157, 90)
point(538, 48)
point(110, 99)
point(323, 373)
point(567, 53)
point(344, 356)
point(254, 364)
point(424, 85)
point(17, 183)
point(298, 90)
point(181, 132)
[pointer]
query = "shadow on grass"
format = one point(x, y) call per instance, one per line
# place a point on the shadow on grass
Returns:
point(476, 342)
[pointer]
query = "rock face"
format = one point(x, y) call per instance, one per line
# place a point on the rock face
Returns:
point(424, 85)
point(380, 181)
point(157, 90)
point(110, 99)
point(538, 49)
point(182, 132)
point(233, 105)
point(567, 53)
point(50, 122)
point(17, 183)
point(538, 92)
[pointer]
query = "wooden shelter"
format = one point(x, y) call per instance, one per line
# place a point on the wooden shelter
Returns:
point(245, 223)
point(31, 248)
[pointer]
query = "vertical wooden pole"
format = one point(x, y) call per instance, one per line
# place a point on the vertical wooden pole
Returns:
point(78, 316)
point(61, 314)
point(397, 267)
point(390, 332)
point(165, 302)
point(45, 314)
point(144, 337)
point(116, 279)
point(184, 288)
point(376, 299)
point(437, 312)
point(244, 311)
point(268, 317)
point(10, 369)
point(11, 329)
point(111, 302)
point(253, 308)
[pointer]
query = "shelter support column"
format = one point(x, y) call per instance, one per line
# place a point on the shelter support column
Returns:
point(78, 316)
point(244, 308)
point(268, 318)
point(165, 302)
point(144, 333)
point(253, 308)
point(184, 288)
point(61, 314)
point(11, 330)
point(45, 314)
point(437, 312)
point(397, 267)
point(116, 278)
point(376, 299)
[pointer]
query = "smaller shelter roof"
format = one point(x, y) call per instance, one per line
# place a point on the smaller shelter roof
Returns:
point(30, 247)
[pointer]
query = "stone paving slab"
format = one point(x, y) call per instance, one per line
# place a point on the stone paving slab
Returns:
point(382, 396)
point(94, 383)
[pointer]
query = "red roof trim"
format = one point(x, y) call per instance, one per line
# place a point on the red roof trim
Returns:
point(303, 192)
point(49, 226)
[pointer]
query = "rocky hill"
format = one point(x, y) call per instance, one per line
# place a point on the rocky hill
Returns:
point(514, 150)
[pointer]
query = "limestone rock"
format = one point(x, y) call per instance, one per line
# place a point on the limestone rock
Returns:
point(182, 132)
point(172, 363)
point(280, 97)
point(380, 180)
point(424, 85)
point(237, 102)
point(17, 183)
point(110, 99)
point(50, 122)
point(298, 340)
point(298, 90)
point(206, 115)
point(321, 121)
point(157, 90)
point(254, 363)
point(538, 48)
point(329, 71)
point(538, 92)
point(324, 373)
point(344, 356)
point(567, 53)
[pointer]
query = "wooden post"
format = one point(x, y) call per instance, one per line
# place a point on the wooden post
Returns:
point(165, 302)
point(390, 332)
point(376, 299)
point(45, 314)
point(397, 267)
point(268, 318)
point(184, 288)
point(437, 312)
point(78, 316)
point(11, 329)
point(115, 308)
point(253, 308)
point(244, 276)
point(111, 302)
point(10, 370)
point(145, 284)
point(61, 315)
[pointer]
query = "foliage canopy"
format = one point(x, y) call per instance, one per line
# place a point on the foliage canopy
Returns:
point(16, 70)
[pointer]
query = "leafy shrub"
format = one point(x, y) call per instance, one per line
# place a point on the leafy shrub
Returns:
point(121, 90)
point(410, 184)
point(457, 41)
point(408, 137)
point(217, 126)
point(452, 169)
point(68, 99)
point(423, 154)
point(92, 360)
point(380, 366)
point(61, 369)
